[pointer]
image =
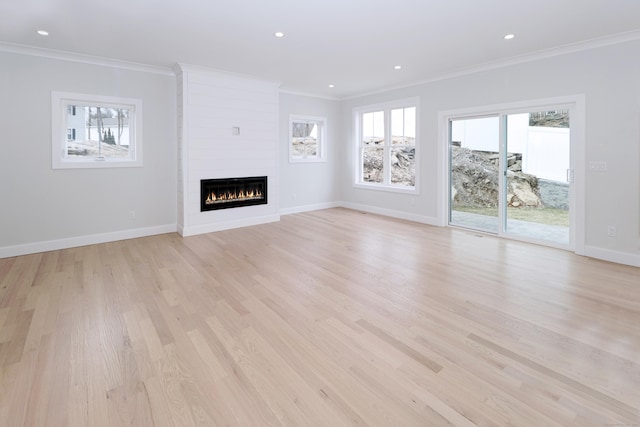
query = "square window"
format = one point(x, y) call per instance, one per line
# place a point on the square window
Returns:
point(307, 139)
point(91, 131)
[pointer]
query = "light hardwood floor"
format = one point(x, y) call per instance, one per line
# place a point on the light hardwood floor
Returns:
point(327, 318)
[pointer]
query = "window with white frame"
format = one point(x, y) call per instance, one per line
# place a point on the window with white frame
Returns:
point(307, 138)
point(92, 131)
point(386, 140)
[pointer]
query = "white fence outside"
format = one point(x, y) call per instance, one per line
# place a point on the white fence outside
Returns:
point(545, 150)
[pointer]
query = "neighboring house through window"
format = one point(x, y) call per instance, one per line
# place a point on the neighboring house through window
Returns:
point(100, 131)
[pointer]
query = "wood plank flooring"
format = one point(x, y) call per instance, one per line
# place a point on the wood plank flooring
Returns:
point(327, 318)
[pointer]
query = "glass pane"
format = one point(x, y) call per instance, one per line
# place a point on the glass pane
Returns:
point(537, 160)
point(373, 128)
point(304, 140)
point(410, 125)
point(403, 166)
point(474, 173)
point(372, 164)
point(397, 126)
point(403, 126)
point(94, 131)
point(373, 150)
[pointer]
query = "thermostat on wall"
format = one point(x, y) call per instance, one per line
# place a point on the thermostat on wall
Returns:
point(235, 130)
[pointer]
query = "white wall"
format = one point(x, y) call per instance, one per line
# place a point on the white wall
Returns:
point(210, 105)
point(607, 76)
point(306, 186)
point(42, 208)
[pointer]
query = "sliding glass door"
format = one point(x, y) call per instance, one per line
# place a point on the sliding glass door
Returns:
point(538, 175)
point(510, 174)
point(474, 173)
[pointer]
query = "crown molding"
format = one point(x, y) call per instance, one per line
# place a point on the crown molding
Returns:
point(180, 68)
point(515, 60)
point(309, 95)
point(85, 59)
point(176, 69)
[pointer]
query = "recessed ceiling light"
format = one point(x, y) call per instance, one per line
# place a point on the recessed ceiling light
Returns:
point(509, 36)
point(43, 32)
point(279, 34)
point(331, 86)
point(397, 67)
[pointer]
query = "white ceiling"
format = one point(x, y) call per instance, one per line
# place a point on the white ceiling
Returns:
point(352, 44)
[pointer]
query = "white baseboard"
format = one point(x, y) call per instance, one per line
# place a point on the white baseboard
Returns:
point(72, 242)
point(227, 225)
point(613, 256)
point(309, 208)
point(392, 213)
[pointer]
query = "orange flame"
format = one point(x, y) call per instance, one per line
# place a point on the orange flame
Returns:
point(231, 196)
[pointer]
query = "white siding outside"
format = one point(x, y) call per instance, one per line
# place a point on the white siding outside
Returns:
point(545, 150)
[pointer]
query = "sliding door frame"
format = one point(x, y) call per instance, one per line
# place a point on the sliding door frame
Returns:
point(574, 103)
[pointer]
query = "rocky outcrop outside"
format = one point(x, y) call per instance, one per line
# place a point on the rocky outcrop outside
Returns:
point(304, 147)
point(303, 143)
point(403, 160)
point(475, 175)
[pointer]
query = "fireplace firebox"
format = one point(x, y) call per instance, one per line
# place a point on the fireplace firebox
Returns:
point(232, 192)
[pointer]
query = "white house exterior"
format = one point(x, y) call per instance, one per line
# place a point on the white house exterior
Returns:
point(77, 129)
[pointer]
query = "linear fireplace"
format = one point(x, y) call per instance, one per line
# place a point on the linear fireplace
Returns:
point(232, 192)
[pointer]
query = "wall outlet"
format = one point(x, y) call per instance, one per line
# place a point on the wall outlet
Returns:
point(611, 231)
point(132, 215)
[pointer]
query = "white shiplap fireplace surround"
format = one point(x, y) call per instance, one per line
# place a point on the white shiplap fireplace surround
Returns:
point(227, 128)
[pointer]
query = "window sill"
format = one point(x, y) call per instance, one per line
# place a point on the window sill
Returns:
point(307, 160)
point(95, 163)
point(388, 188)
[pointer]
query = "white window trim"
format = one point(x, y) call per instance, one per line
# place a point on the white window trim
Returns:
point(387, 107)
point(59, 103)
point(321, 155)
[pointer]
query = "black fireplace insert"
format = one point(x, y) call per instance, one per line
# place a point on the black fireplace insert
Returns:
point(232, 192)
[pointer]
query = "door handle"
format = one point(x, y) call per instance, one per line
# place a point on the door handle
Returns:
point(570, 175)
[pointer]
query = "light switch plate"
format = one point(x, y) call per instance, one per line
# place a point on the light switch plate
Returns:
point(598, 166)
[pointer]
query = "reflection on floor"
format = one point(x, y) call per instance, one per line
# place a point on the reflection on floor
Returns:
point(544, 232)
